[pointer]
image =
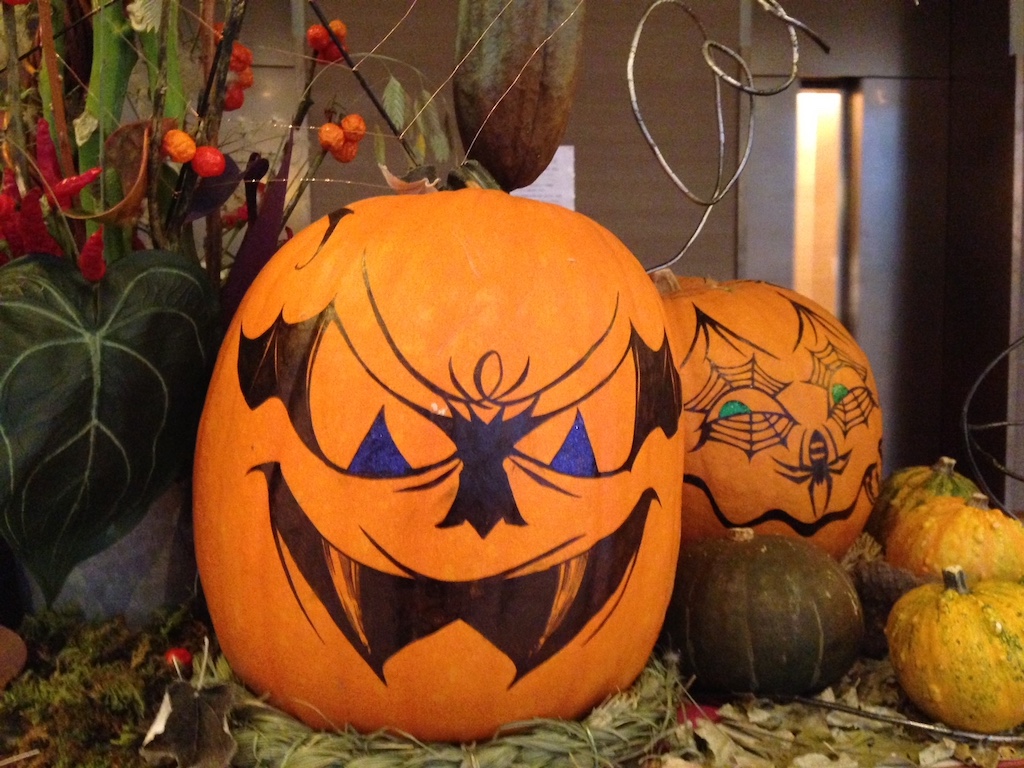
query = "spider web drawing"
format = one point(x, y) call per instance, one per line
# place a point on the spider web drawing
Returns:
point(856, 406)
point(750, 431)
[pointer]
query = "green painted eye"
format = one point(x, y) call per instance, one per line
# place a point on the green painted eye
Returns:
point(839, 392)
point(733, 408)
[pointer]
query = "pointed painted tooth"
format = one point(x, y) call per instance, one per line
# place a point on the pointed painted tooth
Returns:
point(346, 581)
point(570, 577)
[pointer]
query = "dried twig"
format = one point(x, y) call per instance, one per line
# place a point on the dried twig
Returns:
point(935, 729)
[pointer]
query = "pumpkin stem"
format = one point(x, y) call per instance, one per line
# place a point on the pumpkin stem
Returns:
point(954, 577)
point(665, 281)
point(978, 501)
point(945, 465)
point(741, 534)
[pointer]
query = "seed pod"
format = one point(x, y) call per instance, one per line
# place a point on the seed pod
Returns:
point(514, 91)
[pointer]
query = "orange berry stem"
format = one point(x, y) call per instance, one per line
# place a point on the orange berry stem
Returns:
point(362, 81)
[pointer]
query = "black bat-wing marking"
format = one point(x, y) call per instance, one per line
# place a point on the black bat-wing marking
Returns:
point(267, 366)
point(708, 328)
point(659, 398)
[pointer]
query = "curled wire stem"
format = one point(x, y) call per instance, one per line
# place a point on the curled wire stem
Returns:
point(745, 85)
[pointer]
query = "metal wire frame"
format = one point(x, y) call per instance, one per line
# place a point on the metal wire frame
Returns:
point(971, 431)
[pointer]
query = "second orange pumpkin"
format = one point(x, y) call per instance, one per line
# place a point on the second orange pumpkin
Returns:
point(783, 427)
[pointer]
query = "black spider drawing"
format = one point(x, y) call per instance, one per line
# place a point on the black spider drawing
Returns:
point(820, 462)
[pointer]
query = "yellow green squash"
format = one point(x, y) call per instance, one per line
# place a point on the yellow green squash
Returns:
point(958, 654)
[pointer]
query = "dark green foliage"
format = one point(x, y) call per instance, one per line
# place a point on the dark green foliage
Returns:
point(101, 385)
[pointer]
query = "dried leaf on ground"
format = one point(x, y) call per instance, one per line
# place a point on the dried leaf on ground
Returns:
point(13, 656)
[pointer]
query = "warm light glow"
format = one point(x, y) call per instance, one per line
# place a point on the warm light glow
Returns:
point(819, 196)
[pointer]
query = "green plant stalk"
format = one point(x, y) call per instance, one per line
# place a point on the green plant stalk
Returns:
point(161, 50)
point(49, 76)
point(113, 59)
point(209, 109)
point(16, 129)
point(163, 63)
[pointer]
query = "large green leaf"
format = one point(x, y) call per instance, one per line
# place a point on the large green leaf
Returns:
point(101, 385)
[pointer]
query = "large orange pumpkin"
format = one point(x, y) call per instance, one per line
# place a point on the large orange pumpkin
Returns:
point(437, 474)
point(781, 414)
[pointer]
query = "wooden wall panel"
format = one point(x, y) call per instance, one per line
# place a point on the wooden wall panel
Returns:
point(980, 234)
point(618, 181)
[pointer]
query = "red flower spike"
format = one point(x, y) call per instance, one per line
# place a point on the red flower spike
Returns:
point(16, 2)
point(63, 192)
point(10, 185)
point(46, 154)
point(10, 229)
point(90, 261)
point(32, 226)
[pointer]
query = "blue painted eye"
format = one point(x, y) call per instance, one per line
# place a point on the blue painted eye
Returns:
point(378, 456)
point(733, 408)
point(576, 456)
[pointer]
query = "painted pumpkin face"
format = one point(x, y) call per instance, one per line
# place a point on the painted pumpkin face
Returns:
point(437, 475)
point(781, 415)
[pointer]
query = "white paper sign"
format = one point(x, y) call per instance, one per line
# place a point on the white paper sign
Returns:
point(557, 183)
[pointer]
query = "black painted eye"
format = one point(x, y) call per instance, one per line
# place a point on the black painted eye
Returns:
point(378, 456)
point(576, 456)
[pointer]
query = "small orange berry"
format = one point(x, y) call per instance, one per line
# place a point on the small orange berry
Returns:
point(346, 153)
point(234, 97)
point(354, 127)
point(330, 54)
point(208, 162)
point(317, 37)
point(246, 78)
point(179, 146)
point(179, 658)
point(339, 29)
point(241, 57)
point(331, 136)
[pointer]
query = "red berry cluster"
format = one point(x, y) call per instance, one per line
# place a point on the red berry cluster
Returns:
point(320, 41)
point(342, 139)
point(180, 147)
point(240, 76)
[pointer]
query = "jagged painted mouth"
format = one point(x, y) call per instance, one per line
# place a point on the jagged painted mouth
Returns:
point(529, 617)
point(805, 528)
